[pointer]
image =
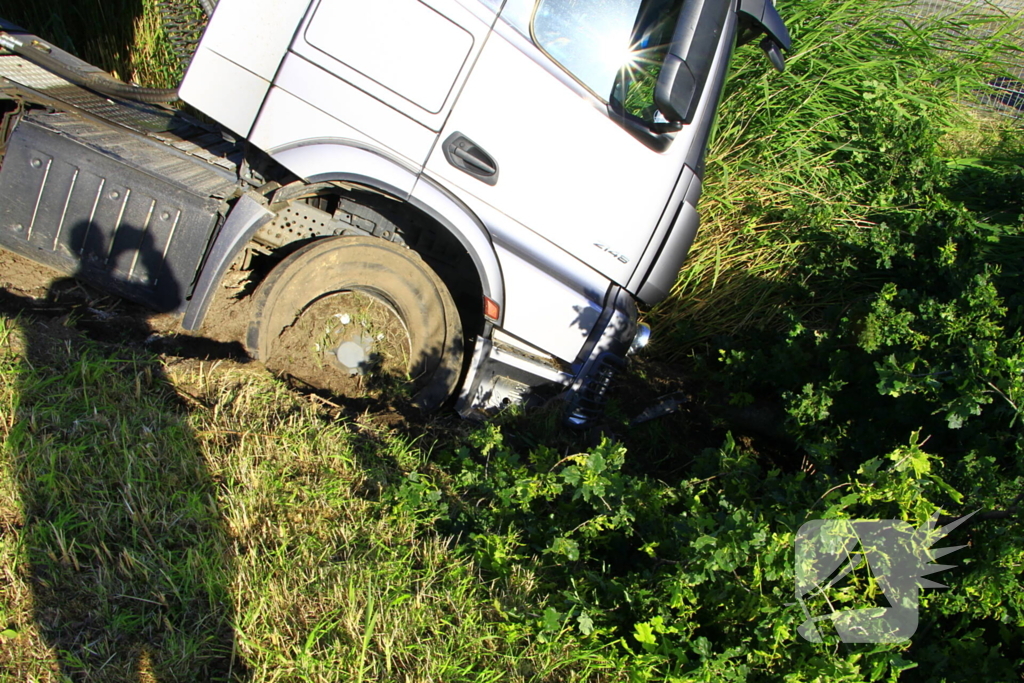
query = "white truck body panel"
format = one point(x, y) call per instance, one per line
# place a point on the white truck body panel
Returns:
point(414, 67)
point(326, 147)
point(549, 299)
point(544, 311)
point(425, 51)
point(226, 91)
point(227, 78)
point(314, 92)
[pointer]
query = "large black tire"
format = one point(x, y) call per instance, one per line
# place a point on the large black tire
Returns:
point(372, 271)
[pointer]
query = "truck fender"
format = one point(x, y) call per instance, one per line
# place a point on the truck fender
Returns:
point(313, 162)
point(320, 160)
point(459, 220)
point(247, 216)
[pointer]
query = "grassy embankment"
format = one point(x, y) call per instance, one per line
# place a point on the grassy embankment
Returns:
point(166, 520)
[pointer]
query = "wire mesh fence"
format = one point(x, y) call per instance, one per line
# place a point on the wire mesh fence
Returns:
point(1006, 88)
point(183, 24)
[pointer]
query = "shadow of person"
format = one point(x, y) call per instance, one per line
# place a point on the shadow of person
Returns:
point(126, 553)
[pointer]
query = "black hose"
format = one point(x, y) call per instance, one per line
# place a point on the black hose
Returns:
point(97, 81)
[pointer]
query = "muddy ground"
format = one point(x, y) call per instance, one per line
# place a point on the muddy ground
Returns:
point(61, 307)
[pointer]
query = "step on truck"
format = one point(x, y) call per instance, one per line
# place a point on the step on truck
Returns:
point(470, 196)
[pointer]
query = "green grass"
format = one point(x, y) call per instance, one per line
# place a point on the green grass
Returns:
point(165, 520)
point(210, 525)
point(124, 37)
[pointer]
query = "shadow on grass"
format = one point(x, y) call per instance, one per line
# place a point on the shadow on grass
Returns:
point(124, 548)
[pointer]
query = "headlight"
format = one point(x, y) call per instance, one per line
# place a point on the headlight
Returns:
point(642, 338)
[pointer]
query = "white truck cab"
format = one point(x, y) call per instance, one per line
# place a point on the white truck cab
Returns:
point(505, 180)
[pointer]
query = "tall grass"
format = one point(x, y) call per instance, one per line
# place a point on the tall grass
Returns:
point(202, 524)
point(814, 144)
point(124, 37)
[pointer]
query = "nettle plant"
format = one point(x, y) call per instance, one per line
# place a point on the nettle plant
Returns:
point(694, 579)
point(922, 332)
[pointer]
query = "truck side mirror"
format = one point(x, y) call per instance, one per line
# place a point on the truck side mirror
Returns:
point(688, 63)
point(760, 16)
point(676, 93)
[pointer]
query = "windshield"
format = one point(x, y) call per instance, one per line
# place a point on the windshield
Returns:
point(613, 47)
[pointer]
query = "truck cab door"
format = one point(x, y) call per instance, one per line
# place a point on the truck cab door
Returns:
point(534, 135)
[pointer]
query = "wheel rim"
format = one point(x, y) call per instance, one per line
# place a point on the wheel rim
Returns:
point(348, 342)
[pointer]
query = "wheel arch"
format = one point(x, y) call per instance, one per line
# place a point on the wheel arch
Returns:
point(368, 170)
point(379, 172)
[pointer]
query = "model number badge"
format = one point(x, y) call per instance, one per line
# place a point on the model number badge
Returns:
point(621, 258)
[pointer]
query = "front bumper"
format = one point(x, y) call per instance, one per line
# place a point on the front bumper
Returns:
point(504, 371)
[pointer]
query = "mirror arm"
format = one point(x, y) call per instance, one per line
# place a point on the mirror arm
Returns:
point(774, 53)
point(766, 19)
point(663, 127)
point(653, 135)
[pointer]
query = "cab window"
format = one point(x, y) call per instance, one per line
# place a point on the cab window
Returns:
point(615, 48)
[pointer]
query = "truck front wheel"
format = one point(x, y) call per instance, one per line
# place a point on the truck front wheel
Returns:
point(357, 314)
